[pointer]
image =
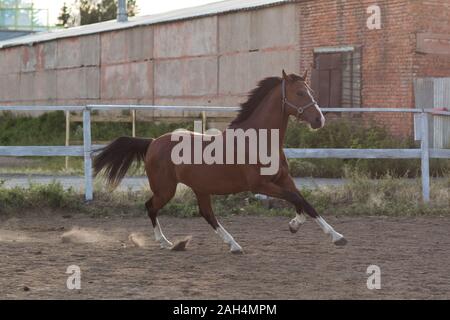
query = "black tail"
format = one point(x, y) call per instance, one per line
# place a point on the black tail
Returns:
point(117, 157)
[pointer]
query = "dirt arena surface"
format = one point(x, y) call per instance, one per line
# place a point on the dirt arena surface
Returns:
point(413, 254)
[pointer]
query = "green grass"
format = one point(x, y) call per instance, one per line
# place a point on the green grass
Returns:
point(362, 196)
point(51, 196)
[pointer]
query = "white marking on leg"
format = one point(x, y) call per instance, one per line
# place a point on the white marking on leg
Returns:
point(228, 239)
point(159, 236)
point(295, 223)
point(327, 229)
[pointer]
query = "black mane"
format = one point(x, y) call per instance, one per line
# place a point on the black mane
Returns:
point(257, 95)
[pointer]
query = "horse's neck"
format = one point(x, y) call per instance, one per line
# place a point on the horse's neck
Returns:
point(268, 115)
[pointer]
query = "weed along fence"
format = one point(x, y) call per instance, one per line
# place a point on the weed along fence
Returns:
point(423, 117)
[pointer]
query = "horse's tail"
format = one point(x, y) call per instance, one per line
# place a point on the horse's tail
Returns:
point(117, 157)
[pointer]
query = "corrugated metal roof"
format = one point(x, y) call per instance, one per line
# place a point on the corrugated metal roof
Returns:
point(11, 34)
point(181, 14)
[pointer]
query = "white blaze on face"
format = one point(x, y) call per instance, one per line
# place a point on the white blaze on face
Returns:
point(316, 105)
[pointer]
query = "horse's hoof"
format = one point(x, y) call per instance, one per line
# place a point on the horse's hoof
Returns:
point(294, 226)
point(341, 242)
point(236, 250)
point(166, 245)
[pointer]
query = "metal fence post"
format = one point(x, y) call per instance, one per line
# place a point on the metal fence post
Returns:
point(67, 136)
point(88, 186)
point(425, 157)
point(133, 123)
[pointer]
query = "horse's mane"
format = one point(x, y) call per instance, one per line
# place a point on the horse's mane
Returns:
point(256, 96)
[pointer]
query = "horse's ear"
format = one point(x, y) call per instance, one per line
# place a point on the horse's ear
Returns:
point(305, 75)
point(285, 76)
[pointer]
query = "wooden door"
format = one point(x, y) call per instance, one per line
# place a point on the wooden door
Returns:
point(326, 79)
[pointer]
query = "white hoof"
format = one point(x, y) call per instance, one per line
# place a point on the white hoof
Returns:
point(294, 225)
point(235, 248)
point(165, 244)
point(338, 239)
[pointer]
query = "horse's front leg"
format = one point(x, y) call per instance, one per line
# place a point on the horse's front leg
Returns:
point(286, 183)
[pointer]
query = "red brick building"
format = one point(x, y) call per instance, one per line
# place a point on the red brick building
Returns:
point(377, 66)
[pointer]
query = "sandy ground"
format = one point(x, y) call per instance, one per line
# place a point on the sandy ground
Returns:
point(413, 254)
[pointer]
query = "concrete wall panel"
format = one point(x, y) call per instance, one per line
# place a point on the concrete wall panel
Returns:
point(127, 45)
point(187, 38)
point(127, 81)
point(235, 74)
point(81, 83)
point(187, 77)
point(39, 86)
point(271, 63)
point(79, 51)
point(234, 32)
point(9, 87)
point(228, 101)
point(274, 27)
point(240, 73)
point(38, 57)
point(10, 60)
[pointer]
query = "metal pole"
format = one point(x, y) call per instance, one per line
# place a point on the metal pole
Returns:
point(122, 14)
point(88, 186)
point(67, 135)
point(133, 123)
point(425, 157)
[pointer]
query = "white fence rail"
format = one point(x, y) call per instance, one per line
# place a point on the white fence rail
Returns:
point(424, 153)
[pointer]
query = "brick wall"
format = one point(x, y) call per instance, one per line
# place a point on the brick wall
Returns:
point(387, 54)
point(432, 16)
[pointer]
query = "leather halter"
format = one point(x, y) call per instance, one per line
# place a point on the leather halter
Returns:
point(285, 101)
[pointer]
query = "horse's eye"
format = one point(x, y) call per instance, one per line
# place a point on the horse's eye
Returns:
point(300, 93)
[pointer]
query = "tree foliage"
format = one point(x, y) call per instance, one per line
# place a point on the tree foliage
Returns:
point(64, 16)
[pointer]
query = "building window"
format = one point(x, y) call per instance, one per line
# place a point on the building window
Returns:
point(336, 77)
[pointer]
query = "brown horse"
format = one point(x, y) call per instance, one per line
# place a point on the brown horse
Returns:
point(267, 108)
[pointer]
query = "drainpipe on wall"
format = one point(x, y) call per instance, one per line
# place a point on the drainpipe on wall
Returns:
point(122, 14)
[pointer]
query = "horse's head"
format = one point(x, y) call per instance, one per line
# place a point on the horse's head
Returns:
point(298, 100)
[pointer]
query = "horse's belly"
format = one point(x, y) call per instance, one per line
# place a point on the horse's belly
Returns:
point(212, 179)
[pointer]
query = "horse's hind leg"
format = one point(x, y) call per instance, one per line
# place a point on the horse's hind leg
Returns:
point(204, 204)
point(285, 189)
point(153, 206)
